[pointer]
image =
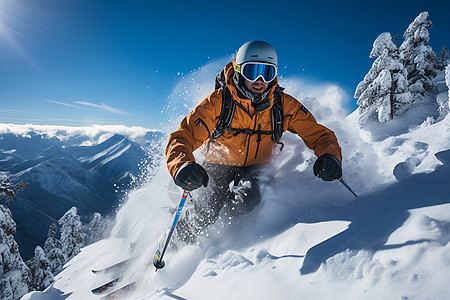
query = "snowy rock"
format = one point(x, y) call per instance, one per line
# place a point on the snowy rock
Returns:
point(403, 170)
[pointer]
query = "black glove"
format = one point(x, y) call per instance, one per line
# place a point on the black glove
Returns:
point(191, 176)
point(327, 167)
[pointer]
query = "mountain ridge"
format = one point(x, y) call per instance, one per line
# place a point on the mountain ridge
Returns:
point(62, 173)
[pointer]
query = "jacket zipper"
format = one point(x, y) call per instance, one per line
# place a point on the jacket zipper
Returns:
point(248, 148)
point(258, 140)
point(248, 142)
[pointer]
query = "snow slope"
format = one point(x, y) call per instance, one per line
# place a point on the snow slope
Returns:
point(308, 239)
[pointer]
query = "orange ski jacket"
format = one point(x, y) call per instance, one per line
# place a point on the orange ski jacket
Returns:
point(244, 149)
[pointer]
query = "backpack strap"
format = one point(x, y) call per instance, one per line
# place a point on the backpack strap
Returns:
point(226, 112)
point(277, 117)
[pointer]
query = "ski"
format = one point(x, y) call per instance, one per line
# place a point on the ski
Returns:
point(105, 288)
point(121, 293)
point(115, 267)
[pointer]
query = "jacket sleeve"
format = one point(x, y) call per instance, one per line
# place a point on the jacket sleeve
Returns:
point(193, 130)
point(316, 136)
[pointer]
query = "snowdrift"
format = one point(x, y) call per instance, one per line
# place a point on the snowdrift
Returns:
point(308, 239)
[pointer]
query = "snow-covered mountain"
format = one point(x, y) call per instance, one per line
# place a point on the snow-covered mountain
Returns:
point(89, 168)
point(308, 239)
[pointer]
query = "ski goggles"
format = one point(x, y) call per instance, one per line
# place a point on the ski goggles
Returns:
point(251, 71)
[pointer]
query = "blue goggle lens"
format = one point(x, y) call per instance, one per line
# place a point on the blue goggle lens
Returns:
point(251, 72)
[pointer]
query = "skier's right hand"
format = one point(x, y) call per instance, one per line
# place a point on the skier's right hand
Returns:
point(191, 176)
point(327, 167)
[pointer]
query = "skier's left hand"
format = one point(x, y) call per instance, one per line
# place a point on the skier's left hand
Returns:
point(327, 167)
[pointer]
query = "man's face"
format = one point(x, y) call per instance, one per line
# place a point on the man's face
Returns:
point(257, 87)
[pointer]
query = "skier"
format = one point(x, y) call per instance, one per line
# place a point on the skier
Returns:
point(240, 124)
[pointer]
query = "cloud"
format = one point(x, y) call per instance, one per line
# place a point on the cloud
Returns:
point(14, 115)
point(96, 133)
point(102, 106)
point(13, 111)
point(21, 116)
point(61, 103)
point(19, 112)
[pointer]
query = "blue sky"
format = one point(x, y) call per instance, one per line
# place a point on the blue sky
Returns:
point(84, 62)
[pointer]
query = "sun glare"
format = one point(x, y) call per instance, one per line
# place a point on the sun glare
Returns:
point(13, 26)
point(7, 20)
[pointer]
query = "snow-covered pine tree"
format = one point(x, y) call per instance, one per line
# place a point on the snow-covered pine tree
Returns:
point(53, 250)
point(98, 228)
point(442, 59)
point(15, 280)
point(418, 58)
point(444, 108)
point(384, 91)
point(41, 272)
point(72, 235)
point(8, 189)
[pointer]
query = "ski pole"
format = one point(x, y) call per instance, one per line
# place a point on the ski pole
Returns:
point(347, 187)
point(158, 259)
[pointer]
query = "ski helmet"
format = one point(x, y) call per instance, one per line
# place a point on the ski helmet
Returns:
point(256, 51)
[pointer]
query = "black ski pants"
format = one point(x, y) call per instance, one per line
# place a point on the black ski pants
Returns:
point(243, 196)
